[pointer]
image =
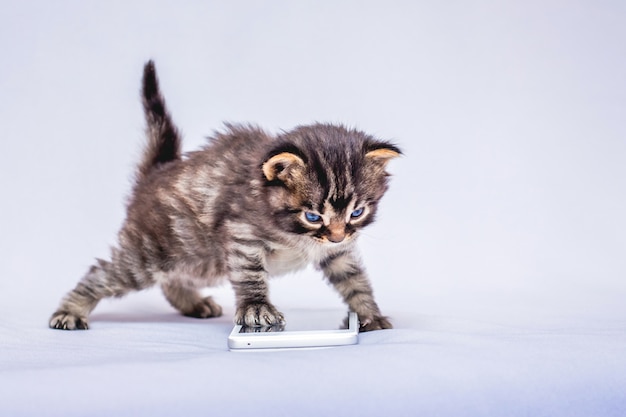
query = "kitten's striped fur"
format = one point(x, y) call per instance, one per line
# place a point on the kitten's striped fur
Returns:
point(236, 209)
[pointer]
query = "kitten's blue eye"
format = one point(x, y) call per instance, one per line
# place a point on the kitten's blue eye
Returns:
point(312, 217)
point(357, 213)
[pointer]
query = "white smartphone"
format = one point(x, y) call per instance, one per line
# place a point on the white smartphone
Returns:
point(303, 329)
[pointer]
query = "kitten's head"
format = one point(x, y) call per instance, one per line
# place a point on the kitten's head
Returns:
point(325, 181)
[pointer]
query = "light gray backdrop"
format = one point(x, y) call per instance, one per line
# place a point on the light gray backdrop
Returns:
point(510, 198)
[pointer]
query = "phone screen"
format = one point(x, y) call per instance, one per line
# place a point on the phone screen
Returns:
point(306, 320)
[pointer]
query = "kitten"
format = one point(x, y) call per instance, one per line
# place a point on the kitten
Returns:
point(245, 207)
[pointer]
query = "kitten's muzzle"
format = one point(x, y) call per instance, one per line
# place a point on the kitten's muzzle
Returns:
point(336, 235)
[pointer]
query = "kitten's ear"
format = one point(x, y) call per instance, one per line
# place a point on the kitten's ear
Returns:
point(281, 166)
point(382, 153)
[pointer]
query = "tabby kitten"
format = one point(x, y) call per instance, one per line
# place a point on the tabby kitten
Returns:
point(245, 207)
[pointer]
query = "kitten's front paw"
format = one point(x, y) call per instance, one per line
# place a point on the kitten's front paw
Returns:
point(258, 315)
point(375, 323)
point(64, 320)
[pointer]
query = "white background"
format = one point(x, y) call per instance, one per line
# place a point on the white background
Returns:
point(508, 206)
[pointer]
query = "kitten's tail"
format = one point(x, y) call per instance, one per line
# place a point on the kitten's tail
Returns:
point(164, 142)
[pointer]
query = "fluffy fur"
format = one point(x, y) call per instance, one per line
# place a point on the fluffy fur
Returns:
point(245, 207)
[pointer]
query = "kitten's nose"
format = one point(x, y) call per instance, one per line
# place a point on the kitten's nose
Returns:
point(337, 234)
point(336, 238)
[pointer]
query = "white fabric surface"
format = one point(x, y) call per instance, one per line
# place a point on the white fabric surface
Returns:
point(141, 358)
point(500, 248)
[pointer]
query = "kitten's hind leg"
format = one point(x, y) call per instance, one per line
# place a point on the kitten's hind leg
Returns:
point(104, 279)
point(189, 301)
